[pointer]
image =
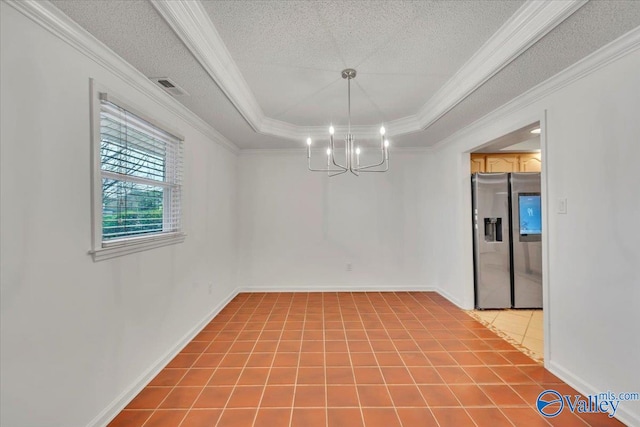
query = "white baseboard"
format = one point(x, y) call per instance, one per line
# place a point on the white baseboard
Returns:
point(334, 288)
point(455, 301)
point(110, 412)
point(622, 414)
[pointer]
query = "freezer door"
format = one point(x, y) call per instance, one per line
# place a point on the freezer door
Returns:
point(491, 240)
point(526, 220)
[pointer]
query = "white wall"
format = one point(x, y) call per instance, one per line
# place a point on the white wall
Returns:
point(299, 230)
point(76, 334)
point(592, 297)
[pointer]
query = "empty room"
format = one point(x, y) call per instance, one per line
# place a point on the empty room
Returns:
point(319, 213)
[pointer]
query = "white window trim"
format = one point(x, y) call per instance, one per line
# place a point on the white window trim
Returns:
point(107, 250)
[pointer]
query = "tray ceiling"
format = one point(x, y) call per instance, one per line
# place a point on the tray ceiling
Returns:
point(267, 73)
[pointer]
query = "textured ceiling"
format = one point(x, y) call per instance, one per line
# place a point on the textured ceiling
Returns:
point(291, 53)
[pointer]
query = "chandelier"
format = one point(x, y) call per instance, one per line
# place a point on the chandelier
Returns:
point(351, 160)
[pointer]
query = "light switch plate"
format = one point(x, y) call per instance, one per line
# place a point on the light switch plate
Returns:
point(562, 205)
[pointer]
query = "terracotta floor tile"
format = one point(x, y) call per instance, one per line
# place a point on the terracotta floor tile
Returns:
point(525, 417)
point(396, 375)
point(452, 417)
point(337, 359)
point(277, 396)
point(201, 418)
point(208, 360)
point(166, 418)
point(454, 375)
point(359, 346)
point(528, 392)
point(344, 417)
point(374, 396)
point(440, 358)
point(438, 395)
point(271, 417)
point(382, 345)
point(195, 347)
point(482, 375)
point(380, 417)
point(282, 360)
point(131, 418)
point(231, 360)
point(183, 360)
point(266, 346)
point(310, 396)
point(225, 376)
point(310, 376)
point(540, 374)
point(213, 397)
point(181, 398)
point(368, 375)
point(566, 419)
point(294, 346)
point(309, 417)
point(389, 359)
point(416, 417)
point(466, 359)
point(253, 376)
point(406, 396)
point(342, 396)
point(305, 347)
point(245, 397)
point(149, 398)
point(488, 417)
point(196, 377)
point(311, 359)
point(600, 420)
point(511, 374)
point(340, 375)
point(406, 345)
point(503, 395)
point(260, 360)
point(363, 359)
point(168, 377)
point(425, 375)
point(470, 395)
point(414, 359)
point(237, 417)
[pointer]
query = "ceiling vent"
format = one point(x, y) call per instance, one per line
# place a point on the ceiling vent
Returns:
point(169, 86)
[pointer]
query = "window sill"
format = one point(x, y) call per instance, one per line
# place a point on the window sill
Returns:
point(138, 245)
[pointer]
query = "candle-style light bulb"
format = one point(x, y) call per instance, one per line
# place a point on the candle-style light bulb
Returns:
point(309, 141)
point(328, 151)
point(382, 130)
point(331, 130)
point(386, 143)
point(358, 151)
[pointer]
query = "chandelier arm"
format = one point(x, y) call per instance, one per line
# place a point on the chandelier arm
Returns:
point(386, 163)
point(333, 157)
point(336, 174)
point(324, 170)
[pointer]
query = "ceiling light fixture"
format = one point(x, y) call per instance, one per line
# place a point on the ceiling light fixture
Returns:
point(351, 151)
point(535, 131)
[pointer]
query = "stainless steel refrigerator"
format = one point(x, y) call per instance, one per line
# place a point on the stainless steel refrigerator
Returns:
point(507, 234)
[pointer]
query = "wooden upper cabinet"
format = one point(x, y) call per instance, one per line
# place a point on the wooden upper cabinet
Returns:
point(502, 163)
point(506, 162)
point(477, 164)
point(530, 162)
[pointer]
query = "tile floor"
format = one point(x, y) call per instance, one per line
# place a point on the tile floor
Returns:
point(347, 359)
point(523, 328)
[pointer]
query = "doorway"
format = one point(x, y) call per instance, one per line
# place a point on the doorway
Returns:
point(514, 153)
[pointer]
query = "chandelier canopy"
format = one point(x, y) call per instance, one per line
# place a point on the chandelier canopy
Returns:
point(351, 159)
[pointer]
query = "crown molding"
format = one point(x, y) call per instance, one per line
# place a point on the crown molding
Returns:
point(607, 54)
point(45, 14)
point(531, 22)
point(192, 25)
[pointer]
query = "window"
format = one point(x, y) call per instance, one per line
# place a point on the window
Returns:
point(137, 181)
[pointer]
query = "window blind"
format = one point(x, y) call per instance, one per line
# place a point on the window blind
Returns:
point(141, 170)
